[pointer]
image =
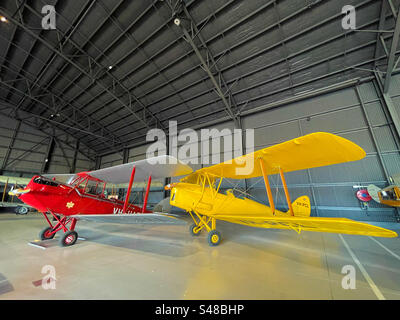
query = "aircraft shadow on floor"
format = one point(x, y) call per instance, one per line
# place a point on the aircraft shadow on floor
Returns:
point(5, 285)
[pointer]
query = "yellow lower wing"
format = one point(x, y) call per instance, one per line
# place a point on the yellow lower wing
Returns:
point(298, 224)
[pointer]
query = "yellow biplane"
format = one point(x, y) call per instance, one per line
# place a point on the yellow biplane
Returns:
point(198, 193)
point(389, 195)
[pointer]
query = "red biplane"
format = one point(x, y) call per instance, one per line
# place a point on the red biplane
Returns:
point(83, 194)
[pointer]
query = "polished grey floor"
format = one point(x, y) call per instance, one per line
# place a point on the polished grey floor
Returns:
point(165, 262)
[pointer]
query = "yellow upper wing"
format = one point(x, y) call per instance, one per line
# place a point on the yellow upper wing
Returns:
point(309, 151)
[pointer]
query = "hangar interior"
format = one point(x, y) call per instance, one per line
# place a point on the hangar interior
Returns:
point(84, 95)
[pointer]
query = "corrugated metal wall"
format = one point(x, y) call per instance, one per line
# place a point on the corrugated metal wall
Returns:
point(29, 151)
point(359, 117)
point(356, 113)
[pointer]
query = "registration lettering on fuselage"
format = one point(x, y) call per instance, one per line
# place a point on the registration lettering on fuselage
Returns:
point(119, 211)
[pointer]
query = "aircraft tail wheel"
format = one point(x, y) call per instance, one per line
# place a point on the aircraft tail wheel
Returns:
point(194, 230)
point(68, 239)
point(214, 238)
point(45, 234)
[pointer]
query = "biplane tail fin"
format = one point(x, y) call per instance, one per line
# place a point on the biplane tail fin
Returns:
point(373, 191)
point(301, 207)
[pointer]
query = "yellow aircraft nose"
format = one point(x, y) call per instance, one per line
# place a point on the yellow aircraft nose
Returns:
point(17, 192)
point(169, 186)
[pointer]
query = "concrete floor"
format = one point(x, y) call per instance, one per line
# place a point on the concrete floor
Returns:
point(166, 262)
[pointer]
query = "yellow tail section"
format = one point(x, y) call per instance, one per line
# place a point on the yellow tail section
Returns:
point(302, 207)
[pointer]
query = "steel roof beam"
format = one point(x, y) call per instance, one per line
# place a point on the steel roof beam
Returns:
point(218, 55)
point(59, 73)
point(83, 90)
point(28, 54)
point(137, 47)
point(268, 28)
point(262, 96)
point(74, 109)
point(38, 127)
point(131, 97)
point(210, 66)
point(51, 59)
point(28, 93)
point(381, 25)
point(151, 57)
point(10, 145)
point(11, 39)
point(392, 52)
point(23, 155)
point(95, 78)
point(263, 67)
point(274, 92)
point(393, 110)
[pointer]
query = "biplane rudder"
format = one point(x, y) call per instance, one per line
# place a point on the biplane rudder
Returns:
point(373, 191)
point(301, 207)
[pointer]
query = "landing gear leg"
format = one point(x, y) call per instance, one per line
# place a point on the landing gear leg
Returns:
point(69, 237)
point(214, 237)
point(194, 230)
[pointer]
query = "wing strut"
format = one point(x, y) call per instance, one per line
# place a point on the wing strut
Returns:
point(147, 195)
point(104, 188)
point(267, 186)
point(129, 189)
point(289, 202)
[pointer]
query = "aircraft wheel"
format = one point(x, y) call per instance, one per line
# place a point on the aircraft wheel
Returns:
point(68, 239)
point(214, 238)
point(45, 234)
point(193, 230)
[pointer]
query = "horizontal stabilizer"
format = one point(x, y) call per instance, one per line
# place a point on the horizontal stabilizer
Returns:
point(316, 224)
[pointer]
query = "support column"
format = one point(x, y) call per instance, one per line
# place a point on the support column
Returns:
point(125, 155)
point(392, 52)
point(167, 180)
point(73, 167)
point(10, 146)
point(98, 163)
point(393, 111)
point(372, 132)
point(49, 152)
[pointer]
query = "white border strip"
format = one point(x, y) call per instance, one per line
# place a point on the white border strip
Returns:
point(371, 283)
point(387, 249)
point(36, 246)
